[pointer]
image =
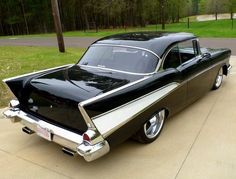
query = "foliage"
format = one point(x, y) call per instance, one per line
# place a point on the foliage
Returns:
point(21, 16)
point(220, 28)
point(35, 16)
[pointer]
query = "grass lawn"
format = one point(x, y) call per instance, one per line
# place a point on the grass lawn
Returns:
point(220, 28)
point(19, 60)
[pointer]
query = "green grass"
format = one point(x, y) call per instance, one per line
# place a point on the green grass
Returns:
point(220, 28)
point(19, 60)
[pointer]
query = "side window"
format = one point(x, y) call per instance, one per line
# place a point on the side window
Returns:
point(181, 53)
point(187, 50)
point(172, 59)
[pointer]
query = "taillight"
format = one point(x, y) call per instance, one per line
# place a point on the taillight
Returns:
point(86, 138)
point(91, 137)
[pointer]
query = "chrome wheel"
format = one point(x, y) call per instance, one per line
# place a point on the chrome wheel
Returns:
point(154, 125)
point(219, 79)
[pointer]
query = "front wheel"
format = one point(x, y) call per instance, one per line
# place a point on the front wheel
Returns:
point(218, 80)
point(152, 128)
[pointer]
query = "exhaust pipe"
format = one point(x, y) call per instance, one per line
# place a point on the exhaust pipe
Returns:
point(27, 130)
point(69, 152)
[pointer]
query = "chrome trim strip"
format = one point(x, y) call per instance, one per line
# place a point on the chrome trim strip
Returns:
point(86, 117)
point(40, 71)
point(112, 120)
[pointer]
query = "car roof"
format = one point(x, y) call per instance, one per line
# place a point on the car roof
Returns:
point(157, 42)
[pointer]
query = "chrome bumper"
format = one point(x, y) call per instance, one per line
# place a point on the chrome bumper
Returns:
point(228, 69)
point(59, 135)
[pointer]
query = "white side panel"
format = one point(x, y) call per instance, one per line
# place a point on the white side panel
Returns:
point(114, 119)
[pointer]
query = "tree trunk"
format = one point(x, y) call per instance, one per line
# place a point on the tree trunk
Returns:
point(216, 13)
point(57, 23)
point(45, 27)
point(162, 15)
point(12, 30)
point(25, 20)
point(178, 12)
point(232, 13)
point(1, 28)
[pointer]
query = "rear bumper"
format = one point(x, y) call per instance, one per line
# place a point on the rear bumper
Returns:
point(59, 135)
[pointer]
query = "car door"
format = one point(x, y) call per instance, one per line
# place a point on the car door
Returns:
point(172, 62)
point(193, 68)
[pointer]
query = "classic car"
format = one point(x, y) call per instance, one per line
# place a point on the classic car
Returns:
point(124, 86)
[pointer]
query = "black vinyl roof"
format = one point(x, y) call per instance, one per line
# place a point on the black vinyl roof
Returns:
point(157, 42)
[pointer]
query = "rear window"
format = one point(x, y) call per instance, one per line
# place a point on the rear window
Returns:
point(120, 58)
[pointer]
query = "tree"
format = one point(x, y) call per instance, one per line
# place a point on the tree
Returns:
point(57, 22)
point(195, 5)
point(34, 16)
point(162, 13)
point(24, 16)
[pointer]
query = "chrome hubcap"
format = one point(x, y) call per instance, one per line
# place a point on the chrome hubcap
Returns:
point(219, 78)
point(153, 126)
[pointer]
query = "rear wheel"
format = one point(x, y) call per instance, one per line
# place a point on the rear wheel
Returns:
point(218, 80)
point(151, 129)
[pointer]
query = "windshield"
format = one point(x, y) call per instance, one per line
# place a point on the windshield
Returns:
point(120, 58)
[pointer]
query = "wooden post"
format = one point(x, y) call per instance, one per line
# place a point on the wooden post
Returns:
point(216, 11)
point(232, 24)
point(188, 22)
point(162, 3)
point(57, 24)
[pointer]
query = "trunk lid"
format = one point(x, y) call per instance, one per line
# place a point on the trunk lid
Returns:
point(54, 96)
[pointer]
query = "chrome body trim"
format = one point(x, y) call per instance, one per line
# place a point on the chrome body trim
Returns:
point(60, 136)
point(40, 71)
point(85, 116)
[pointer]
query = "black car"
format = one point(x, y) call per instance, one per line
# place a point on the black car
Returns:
point(124, 86)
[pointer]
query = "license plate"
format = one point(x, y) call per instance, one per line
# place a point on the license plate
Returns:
point(44, 133)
